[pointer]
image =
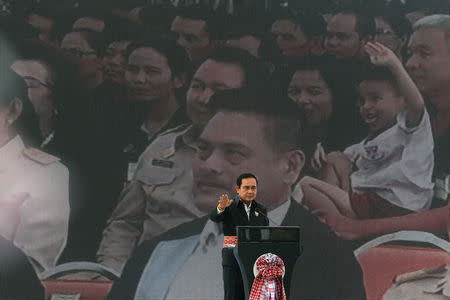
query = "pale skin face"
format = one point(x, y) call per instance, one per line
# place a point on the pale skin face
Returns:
point(342, 40)
point(148, 75)
point(192, 36)
point(379, 105)
point(312, 95)
point(429, 61)
point(235, 143)
point(42, 24)
point(290, 38)
point(37, 76)
point(248, 43)
point(210, 77)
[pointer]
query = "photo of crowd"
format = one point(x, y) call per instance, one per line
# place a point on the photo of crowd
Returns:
point(123, 122)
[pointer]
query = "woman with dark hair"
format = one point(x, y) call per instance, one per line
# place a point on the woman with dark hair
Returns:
point(34, 182)
point(328, 102)
point(61, 106)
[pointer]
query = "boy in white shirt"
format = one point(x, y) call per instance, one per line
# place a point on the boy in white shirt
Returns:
point(391, 169)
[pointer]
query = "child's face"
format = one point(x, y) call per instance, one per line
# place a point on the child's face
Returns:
point(379, 104)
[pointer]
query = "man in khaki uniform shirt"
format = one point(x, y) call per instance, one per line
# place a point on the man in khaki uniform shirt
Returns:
point(160, 195)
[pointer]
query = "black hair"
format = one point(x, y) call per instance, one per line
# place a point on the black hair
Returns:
point(177, 58)
point(370, 72)
point(254, 69)
point(120, 29)
point(213, 20)
point(95, 40)
point(13, 87)
point(247, 22)
point(282, 121)
point(311, 23)
point(365, 21)
point(398, 22)
point(245, 176)
point(158, 18)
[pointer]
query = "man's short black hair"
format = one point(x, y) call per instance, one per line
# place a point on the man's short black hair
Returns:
point(245, 176)
point(311, 23)
point(213, 20)
point(177, 58)
point(95, 39)
point(283, 122)
point(254, 69)
point(365, 21)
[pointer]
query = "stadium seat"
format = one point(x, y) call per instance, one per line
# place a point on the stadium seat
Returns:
point(381, 263)
point(84, 289)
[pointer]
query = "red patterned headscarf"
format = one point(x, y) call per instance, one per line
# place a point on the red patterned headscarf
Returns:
point(268, 283)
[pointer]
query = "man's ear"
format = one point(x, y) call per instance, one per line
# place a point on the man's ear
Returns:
point(316, 46)
point(237, 188)
point(179, 80)
point(14, 109)
point(293, 163)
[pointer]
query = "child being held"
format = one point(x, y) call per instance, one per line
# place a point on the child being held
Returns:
point(389, 173)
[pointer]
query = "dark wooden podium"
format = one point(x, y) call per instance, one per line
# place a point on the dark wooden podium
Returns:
point(254, 241)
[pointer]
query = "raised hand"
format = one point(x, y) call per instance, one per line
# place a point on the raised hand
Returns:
point(224, 202)
point(381, 55)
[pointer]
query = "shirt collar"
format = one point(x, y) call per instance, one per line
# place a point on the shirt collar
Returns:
point(10, 152)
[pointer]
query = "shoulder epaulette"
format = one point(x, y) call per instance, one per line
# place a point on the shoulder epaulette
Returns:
point(39, 156)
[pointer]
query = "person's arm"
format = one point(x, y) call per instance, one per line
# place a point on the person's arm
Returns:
point(434, 220)
point(414, 103)
point(43, 228)
point(123, 228)
point(218, 214)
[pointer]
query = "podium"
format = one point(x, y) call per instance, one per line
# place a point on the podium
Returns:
point(254, 241)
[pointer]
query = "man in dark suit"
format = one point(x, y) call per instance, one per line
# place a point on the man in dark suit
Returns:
point(243, 210)
point(248, 132)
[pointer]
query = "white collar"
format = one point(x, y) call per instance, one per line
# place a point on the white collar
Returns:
point(10, 152)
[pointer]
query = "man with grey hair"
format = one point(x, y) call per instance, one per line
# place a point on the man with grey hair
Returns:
point(429, 66)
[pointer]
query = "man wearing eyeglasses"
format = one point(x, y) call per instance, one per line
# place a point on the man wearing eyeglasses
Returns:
point(84, 48)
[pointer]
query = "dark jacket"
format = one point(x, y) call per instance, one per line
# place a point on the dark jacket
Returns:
point(235, 215)
point(327, 268)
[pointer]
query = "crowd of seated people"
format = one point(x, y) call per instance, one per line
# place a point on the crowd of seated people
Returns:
point(121, 124)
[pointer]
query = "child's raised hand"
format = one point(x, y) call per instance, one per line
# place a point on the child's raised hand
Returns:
point(381, 55)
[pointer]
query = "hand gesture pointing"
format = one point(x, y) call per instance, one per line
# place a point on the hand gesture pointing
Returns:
point(224, 202)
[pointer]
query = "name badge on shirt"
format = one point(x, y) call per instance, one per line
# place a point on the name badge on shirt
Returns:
point(132, 166)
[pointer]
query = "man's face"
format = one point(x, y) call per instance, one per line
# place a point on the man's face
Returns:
point(192, 36)
point(148, 75)
point(88, 23)
point(386, 36)
point(42, 24)
point(290, 38)
point(247, 190)
point(115, 61)
point(429, 60)
point(342, 40)
point(76, 47)
point(232, 144)
point(210, 77)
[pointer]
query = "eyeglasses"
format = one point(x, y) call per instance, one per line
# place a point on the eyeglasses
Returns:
point(382, 31)
point(77, 52)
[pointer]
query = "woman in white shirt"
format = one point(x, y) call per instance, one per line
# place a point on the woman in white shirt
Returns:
point(36, 181)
